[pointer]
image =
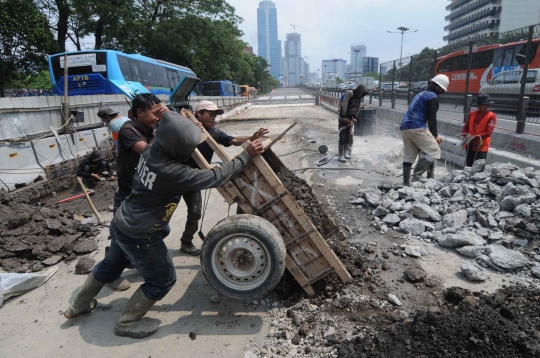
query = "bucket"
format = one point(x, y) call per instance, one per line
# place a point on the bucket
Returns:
point(367, 122)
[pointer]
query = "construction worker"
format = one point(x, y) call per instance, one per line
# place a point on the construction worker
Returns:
point(478, 129)
point(350, 106)
point(137, 227)
point(206, 113)
point(419, 132)
point(92, 167)
point(114, 120)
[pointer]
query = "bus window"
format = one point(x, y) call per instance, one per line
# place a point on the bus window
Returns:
point(482, 59)
point(173, 78)
point(148, 74)
point(508, 57)
point(498, 57)
point(497, 80)
point(161, 76)
point(124, 68)
point(512, 77)
point(135, 71)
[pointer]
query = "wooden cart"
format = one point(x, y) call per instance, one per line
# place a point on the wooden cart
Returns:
point(258, 191)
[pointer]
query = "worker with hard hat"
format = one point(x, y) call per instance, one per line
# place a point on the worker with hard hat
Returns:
point(478, 129)
point(419, 132)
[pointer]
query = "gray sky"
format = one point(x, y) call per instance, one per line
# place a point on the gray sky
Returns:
point(331, 27)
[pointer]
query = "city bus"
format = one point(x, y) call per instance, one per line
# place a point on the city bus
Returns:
point(218, 88)
point(111, 72)
point(487, 62)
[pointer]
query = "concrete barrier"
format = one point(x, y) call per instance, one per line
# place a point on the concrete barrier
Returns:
point(18, 165)
point(506, 147)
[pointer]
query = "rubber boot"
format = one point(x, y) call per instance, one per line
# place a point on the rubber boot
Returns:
point(406, 176)
point(421, 167)
point(120, 284)
point(132, 322)
point(341, 150)
point(347, 154)
point(85, 301)
point(187, 237)
point(431, 171)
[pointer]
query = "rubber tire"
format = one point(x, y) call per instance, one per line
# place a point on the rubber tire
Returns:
point(265, 232)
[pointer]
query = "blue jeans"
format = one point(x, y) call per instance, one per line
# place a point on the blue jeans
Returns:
point(149, 256)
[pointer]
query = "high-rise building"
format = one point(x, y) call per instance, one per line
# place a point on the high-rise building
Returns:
point(371, 64)
point(293, 56)
point(248, 49)
point(335, 68)
point(471, 20)
point(267, 29)
point(358, 53)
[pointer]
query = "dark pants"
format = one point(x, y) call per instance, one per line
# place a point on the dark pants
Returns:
point(120, 194)
point(149, 256)
point(194, 209)
point(346, 135)
point(473, 156)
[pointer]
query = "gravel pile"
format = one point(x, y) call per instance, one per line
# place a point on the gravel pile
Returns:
point(489, 213)
point(34, 236)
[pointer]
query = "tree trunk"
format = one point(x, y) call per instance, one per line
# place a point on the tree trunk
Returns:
point(63, 17)
point(99, 33)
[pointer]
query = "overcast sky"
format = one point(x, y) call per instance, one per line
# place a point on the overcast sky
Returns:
point(331, 27)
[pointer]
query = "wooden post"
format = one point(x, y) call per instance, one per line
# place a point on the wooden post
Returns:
point(65, 118)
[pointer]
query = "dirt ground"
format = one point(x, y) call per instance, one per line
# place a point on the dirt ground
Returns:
point(32, 325)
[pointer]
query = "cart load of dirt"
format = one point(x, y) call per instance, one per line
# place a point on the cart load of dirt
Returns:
point(35, 236)
point(302, 193)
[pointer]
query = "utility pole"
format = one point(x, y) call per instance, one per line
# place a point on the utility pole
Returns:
point(402, 31)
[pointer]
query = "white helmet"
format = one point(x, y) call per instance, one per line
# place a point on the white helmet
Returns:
point(442, 80)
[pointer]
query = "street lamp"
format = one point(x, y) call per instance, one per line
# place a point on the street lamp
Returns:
point(318, 75)
point(402, 31)
point(356, 66)
point(324, 74)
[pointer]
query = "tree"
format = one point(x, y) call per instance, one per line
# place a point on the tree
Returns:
point(25, 41)
point(339, 80)
point(372, 74)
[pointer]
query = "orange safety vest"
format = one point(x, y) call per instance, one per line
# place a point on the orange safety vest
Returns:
point(481, 128)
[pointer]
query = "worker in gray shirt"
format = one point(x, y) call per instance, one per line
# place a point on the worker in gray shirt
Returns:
point(137, 227)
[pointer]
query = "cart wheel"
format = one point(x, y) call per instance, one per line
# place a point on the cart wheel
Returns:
point(243, 256)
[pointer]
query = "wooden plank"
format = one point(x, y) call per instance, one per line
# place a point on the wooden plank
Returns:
point(301, 217)
point(299, 276)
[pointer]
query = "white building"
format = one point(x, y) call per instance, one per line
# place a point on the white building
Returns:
point(335, 67)
point(358, 53)
point(293, 56)
point(471, 20)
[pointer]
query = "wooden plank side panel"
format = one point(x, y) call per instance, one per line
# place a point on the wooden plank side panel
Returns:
point(304, 220)
point(299, 276)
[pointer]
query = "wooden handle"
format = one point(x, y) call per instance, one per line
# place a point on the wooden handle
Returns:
point(100, 220)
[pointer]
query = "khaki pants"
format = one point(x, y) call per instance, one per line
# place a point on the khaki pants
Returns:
point(419, 141)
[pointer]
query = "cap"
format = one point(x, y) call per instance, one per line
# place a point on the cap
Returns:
point(208, 106)
point(104, 112)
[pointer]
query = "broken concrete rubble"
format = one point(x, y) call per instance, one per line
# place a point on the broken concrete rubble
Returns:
point(475, 210)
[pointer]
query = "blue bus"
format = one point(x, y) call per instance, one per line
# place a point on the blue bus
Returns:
point(219, 88)
point(111, 72)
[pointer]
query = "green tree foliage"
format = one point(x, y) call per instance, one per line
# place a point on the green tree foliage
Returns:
point(202, 35)
point(25, 41)
point(39, 80)
point(421, 67)
point(339, 80)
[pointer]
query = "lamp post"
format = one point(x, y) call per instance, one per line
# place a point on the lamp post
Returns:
point(402, 31)
point(324, 74)
point(318, 75)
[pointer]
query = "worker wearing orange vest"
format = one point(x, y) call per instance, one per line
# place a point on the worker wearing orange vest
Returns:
point(478, 129)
